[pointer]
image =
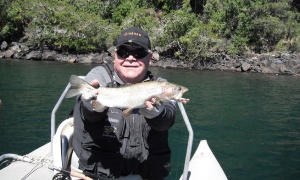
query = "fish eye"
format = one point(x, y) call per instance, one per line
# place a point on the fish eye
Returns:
point(179, 88)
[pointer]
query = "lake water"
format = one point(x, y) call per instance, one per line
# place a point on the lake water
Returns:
point(251, 121)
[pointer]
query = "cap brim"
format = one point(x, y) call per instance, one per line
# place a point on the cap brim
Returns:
point(132, 41)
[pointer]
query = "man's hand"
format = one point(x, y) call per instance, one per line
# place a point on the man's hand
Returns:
point(149, 103)
point(152, 108)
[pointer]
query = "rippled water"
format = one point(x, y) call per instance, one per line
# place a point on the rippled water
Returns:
point(251, 121)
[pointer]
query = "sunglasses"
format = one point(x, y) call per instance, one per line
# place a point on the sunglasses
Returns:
point(137, 53)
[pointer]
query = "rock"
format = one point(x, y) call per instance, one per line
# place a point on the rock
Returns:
point(63, 58)
point(266, 70)
point(34, 55)
point(97, 59)
point(108, 59)
point(4, 45)
point(24, 48)
point(8, 53)
point(274, 67)
point(296, 69)
point(15, 48)
point(49, 55)
point(19, 55)
point(155, 56)
point(111, 50)
point(246, 67)
point(85, 58)
point(72, 60)
point(264, 63)
point(284, 70)
point(168, 63)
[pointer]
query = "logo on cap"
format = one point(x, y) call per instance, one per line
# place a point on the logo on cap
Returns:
point(132, 33)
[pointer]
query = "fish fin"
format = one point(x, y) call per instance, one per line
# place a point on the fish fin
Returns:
point(78, 86)
point(76, 81)
point(127, 112)
point(97, 106)
point(72, 92)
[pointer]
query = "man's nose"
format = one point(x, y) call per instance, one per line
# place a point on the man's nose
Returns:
point(131, 58)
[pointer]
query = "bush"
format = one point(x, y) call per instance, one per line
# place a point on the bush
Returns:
point(66, 26)
point(12, 20)
point(228, 26)
point(198, 43)
point(175, 25)
point(124, 9)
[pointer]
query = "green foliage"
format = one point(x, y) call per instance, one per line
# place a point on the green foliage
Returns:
point(143, 18)
point(198, 42)
point(251, 25)
point(175, 25)
point(13, 22)
point(213, 16)
point(66, 25)
point(165, 5)
point(125, 9)
point(227, 26)
point(267, 32)
point(3, 7)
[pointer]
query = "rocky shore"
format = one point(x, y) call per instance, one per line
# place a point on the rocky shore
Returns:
point(280, 63)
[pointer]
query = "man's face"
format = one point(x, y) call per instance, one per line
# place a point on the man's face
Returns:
point(131, 63)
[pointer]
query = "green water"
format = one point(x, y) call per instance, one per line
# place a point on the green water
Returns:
point(251, 121)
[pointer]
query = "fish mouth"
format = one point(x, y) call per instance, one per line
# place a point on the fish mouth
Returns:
point(181, 99)
point(185, 90)
point(179, 96)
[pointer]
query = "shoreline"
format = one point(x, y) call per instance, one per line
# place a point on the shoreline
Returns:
point(283, 63)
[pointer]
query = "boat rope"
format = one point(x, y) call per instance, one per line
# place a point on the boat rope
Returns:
point(39, 163)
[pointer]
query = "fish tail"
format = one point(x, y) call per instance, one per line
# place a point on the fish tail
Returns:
point(78, 86)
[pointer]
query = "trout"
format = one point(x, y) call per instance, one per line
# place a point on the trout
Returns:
point(128, 97)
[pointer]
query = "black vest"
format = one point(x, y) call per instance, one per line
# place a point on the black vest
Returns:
point(117, 146)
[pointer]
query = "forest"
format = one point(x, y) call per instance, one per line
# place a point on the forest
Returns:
point(183, 29)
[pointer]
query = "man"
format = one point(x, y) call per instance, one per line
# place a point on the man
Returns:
point(111, 145)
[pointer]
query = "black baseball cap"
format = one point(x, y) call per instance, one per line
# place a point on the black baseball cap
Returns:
point(134, 35)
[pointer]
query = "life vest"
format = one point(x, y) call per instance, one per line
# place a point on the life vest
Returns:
point(117, 145)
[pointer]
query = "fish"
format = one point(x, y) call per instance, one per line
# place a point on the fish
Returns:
point(128, 97)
